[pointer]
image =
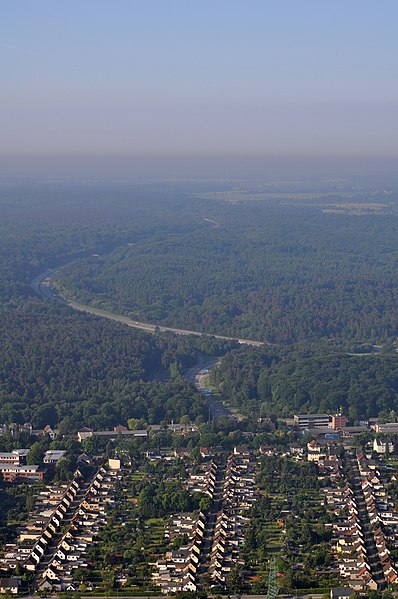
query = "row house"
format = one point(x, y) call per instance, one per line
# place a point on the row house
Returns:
point(204, 481)
point(348, 537)
point(239, 495)
point(89, 516)
point(177, 570)
point(34, 538)
point(380, 512)
point(53, 525)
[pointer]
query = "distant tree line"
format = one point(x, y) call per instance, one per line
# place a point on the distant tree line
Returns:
point(269, 271)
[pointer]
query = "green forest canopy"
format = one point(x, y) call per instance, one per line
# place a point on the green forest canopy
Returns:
point(281, 271)
point(258, 381)
point(270, 271)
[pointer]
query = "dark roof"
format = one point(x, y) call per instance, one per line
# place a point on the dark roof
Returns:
point(9, 583)
point(341, 592)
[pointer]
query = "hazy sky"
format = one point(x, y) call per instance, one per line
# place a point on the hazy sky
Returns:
point(274, 77)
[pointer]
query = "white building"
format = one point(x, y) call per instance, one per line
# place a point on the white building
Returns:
point(382, 446)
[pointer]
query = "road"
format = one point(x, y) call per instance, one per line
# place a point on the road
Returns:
point(199, 377)
point(41, 284)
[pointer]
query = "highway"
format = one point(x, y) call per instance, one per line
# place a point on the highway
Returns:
point(199, 377)
point(41, 284)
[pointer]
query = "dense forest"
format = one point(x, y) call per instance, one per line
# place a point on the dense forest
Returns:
point(287, 383)
point(287, 272)
point(47, 225)
point(59, 366)
point(262, 270)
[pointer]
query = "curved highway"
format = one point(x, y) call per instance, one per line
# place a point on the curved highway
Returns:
point(41, 284)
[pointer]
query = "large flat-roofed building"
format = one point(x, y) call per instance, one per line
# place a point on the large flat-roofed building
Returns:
point(17, 457)
point(11, 472)
point(304, 421)
point(388, 427)
point(111, 435)
point(52, 456)
point(9, 458)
